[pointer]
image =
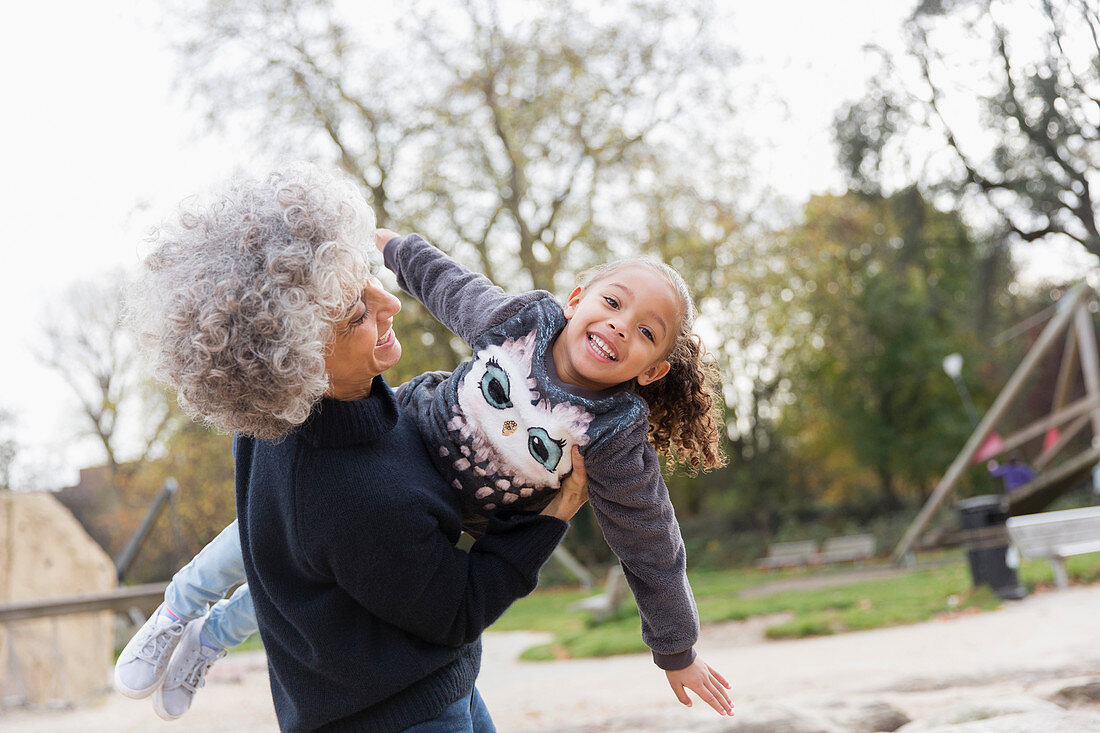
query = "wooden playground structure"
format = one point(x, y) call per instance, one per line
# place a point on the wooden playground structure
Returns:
point(1065, 421)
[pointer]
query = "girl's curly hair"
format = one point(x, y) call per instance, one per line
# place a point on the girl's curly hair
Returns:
point(238, 296)
point(683, 405)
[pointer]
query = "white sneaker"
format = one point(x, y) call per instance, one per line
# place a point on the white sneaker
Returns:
point(186, 673)
point(144, 662)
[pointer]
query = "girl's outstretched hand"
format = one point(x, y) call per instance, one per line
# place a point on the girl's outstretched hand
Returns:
point(382, 237)
point(705, 682)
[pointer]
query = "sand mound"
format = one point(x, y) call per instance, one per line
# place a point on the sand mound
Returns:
point(45, 553)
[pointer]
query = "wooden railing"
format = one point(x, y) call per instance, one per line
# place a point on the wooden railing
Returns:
point(118, 600)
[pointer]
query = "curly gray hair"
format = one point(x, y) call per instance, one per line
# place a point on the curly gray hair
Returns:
point(238, 296)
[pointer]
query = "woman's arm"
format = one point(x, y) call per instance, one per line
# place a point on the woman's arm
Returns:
point(396, 561)
point(466, 302)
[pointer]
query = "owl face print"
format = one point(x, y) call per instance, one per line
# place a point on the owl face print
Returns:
point(512, 431)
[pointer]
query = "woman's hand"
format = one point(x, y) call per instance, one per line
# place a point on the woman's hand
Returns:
point(382, 237)
point(705, 682)
point(573, 493)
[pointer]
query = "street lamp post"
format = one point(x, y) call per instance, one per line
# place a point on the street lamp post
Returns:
point(952, 366)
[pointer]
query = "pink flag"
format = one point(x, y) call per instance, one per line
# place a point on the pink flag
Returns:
point(990, 447)
point(1050, 438)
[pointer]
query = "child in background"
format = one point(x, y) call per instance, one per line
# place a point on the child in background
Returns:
point(616, 372)
point(1014, 472)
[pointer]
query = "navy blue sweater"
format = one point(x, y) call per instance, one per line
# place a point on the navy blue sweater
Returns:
point(370, 616)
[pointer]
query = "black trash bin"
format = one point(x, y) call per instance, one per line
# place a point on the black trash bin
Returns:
point(983, 521)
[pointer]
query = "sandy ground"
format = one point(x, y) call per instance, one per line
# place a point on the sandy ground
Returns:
point(1029, 647)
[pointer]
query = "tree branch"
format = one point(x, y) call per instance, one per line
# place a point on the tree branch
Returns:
point(1063, 57)
point(349, 161)
point(1038, 137)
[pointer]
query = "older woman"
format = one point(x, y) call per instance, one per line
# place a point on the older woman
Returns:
point(260, 310)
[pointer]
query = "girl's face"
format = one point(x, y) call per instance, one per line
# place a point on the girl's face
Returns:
point(364, 345)
point(620, 328)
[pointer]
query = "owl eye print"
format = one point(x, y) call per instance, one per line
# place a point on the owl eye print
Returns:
point(508, 424)
point(495, 386)
point(546, 450)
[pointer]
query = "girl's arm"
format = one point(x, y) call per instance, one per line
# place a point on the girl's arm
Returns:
point(466, 302)
point(631, 504)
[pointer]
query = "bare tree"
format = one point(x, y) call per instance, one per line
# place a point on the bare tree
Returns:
point(87, 344)
point(8, 449)
point(1030, 146)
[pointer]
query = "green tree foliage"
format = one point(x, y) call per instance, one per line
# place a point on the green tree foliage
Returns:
point(877, 291)
point(1011, 89)
point(112, 504)
point(201, 461)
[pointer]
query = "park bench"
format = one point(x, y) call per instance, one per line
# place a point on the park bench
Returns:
point(605, 604)
point(1054, 536)
point(789, 554)
point(850, 548)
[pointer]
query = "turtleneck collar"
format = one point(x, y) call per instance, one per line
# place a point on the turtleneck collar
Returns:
point(339, 423)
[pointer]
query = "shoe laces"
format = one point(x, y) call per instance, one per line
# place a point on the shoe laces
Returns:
point(158, 642)
point(196, 676)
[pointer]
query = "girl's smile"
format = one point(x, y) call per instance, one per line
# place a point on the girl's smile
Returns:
point(601, 347)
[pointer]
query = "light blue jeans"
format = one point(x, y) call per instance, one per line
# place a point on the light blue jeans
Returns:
point(468, 714)
point(216, 570)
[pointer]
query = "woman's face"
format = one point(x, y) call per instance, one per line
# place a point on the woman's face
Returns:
point(364, 345)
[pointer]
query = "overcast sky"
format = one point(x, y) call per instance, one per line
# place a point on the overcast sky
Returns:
point(98, 147)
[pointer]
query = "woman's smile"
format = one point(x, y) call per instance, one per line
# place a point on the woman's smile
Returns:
point(356, 358)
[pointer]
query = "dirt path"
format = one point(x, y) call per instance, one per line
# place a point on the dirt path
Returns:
point(1027, 648)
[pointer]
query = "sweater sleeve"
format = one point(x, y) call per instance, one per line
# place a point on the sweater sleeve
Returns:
point(630, 501)
point(393, 558)
point(466, 302)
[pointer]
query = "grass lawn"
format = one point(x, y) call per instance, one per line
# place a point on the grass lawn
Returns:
point(914, 596)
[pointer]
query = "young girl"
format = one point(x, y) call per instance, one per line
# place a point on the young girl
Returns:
point(616, 372)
